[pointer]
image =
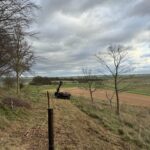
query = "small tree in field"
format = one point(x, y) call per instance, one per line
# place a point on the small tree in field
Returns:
point(90, 80)
point(22, 57)
point(115, 62)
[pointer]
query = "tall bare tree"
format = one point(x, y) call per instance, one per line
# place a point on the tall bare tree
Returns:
point(22, 56)
point(12, 12)
point(115, 62)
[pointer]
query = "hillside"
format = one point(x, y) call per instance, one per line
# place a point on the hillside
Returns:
point(73, 130)
point(78, 125)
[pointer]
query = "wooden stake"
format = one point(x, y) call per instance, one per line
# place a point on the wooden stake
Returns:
point(50, 129)
point(50, 125)
point(48, 99)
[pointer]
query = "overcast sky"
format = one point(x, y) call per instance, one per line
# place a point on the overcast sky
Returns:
point(71, 32)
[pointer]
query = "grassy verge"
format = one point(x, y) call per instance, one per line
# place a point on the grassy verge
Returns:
point(20, 126)
point(133, 125)
point(8, 116)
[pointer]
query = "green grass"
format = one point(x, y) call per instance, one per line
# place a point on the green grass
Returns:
point(131, 87)
point(137, 85)
point(8, 115)
point(132, 126)
point(13, 114)
point(141, 89)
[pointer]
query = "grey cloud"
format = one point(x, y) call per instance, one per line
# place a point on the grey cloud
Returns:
point(70, 6)
point(71, 32)
point(48, 47)
point(146, 56)
point(141, 8)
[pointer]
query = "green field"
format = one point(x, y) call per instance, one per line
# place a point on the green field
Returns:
point(135, 84)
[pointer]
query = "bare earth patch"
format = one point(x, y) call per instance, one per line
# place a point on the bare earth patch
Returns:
point(126, 98)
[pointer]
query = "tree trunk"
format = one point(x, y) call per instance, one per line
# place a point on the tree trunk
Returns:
point(117, 98)
point(91, 95)
point(118, 105)
point(17, 78)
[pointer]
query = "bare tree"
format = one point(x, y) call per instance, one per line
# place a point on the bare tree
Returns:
point(115, 62)
point(12, 12)
point(90, 80)
point(22, 56)
point(110, 98)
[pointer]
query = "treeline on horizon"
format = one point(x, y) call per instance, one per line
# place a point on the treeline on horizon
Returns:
point(40, 80)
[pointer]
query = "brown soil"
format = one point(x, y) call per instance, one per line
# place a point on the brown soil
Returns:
point(126, 98)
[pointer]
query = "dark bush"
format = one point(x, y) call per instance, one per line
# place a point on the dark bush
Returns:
point(41, 81)
point(15, 102)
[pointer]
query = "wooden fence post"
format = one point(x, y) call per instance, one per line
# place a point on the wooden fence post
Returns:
point(50, 125)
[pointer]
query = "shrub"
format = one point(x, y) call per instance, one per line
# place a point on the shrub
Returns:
point(14, 102)
point(40, 81)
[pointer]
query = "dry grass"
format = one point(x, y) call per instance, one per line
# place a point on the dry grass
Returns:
point(75, 130)
point(132, 126)
point(15, 102)
point(78, 126)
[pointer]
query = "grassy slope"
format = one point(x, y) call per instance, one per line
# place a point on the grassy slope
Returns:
point(77, 131)
point(20, 127)
point(133, 125)
point(89, 127)
point(29, 131)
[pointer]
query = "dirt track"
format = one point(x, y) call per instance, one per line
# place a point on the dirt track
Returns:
point(75, 130)
point(127, 98)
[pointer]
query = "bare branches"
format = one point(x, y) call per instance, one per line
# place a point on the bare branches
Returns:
point(114, 61)
point(110, 98)
point(89, 79)
point(5, 51)
point(12, 13)
point(22, 57)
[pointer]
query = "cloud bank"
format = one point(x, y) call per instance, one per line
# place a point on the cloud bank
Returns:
point(72, 32)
